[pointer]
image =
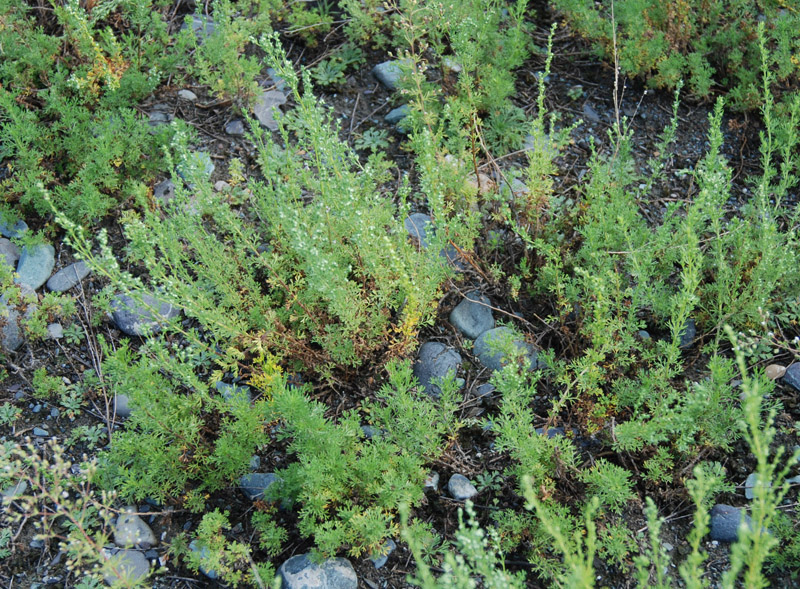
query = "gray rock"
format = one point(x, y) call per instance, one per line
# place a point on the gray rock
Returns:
point(131, 566)
point(388, 73)
point(551, 432)
point(235, 127)
point(643, 335)
point(164, 191)
point(432, 481)
point(160, 115)
point(36, 543)
point(688, 334)
point(203, 551)
point(472, 316)
point(14, 491)
point(11, 228)
point(40, 432)
point(10, 332)
point(417, 226)
point(196, 164)
point(300, 572)
point(276, 80)
point(55, 331)
point(484, 390)
point(54, 412)
point(725, 521)
point(37, 409)
point(130, 531)
point(590, 114)
point(255, 484)
point(792, 376)
point(121, 407)
point(460, 488)
point(143, 318)
point(35, 264)
point(264, 105)
point(187, 95)
point(68, 277)
point(202, 27)
point(232, 391)
point(750, 485)
point(435, 361)
point(9, 253)
point(386, 551)
point(497, 338)
point(397, 114)
point(255, 462)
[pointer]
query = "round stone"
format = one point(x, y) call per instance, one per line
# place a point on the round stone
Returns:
point(255, 484)
point(473, 315)
point(491, 348)
point(300, 572)
point(141, 318)
point(130, 531)
point(435, 361)
point(130, 566)
point(725, 520)
point(35, 264)
point(68, 277)
point(460, 488)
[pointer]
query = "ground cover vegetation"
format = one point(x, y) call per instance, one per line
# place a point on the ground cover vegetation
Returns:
point(303, 300)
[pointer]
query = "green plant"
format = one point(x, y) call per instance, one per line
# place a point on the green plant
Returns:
point(709, 44)
point(9, 414)
point(45, 386)
point(5, 539)
point(221, 59)
point(88, 434)
point(472, 557)
point(230, 560)
point(610, 483)
point(373, 140)
point(329, 72)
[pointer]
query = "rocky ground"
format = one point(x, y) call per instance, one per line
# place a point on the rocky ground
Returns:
point(579, 87)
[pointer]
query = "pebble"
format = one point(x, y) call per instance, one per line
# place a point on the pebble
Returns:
point(10, 228)
point(590, 114)
point(460, 488)
point(432, 481)
point(221, 186)
point(750, 484)
point(54, 413)
point(386, 551)
point(131, 531)
point(688, 334)
point(160, 116)
point(473, 315)
point(9, 252)
point(725, 520)
point(388, 73)
point(276, 80)
point(68, 277)
point(435, 360)
point(35, 264)
point(300, 572)
point(255, 462)
point(774, 371)
point(187, 95)
point(264, 105)
point(37, 408)
point(10, 332)
point(55, 331)
point(397, 114)
point(551, 432)
point(232, 391)
point(134, 318)
point(792, 376)
point(417, 227)
point(202, 27)
point(491, 339)
point(36, 543)
point(195, 164)
point(255, 484)
point(235, 127)
point(132, 566)
point(203, 552)
point(121, 407)
point(40, 432)
point(14, 491)
point(164, 191)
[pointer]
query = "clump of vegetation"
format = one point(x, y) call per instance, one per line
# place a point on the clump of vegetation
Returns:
point(709, 45)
